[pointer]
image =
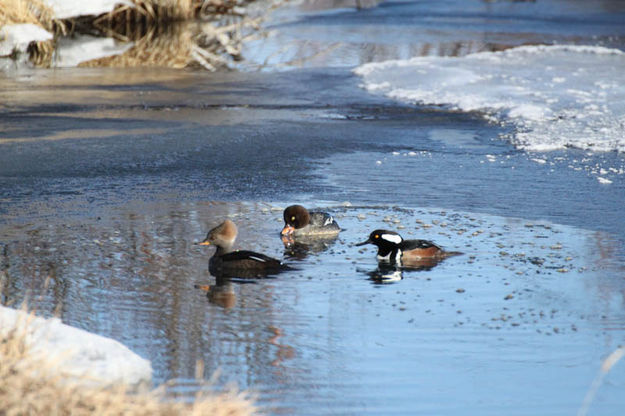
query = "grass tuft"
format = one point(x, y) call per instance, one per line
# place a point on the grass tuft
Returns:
point(30, 385)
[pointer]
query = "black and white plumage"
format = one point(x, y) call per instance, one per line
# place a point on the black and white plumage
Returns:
point(392, 248)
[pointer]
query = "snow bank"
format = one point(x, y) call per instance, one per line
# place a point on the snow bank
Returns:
point(17, 37)
point(79, 353)
point(64, 9)
point(554, 96)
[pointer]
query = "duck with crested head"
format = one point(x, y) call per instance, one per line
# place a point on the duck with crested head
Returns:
point(392, 248)
point(227, 262)
point(298, 221)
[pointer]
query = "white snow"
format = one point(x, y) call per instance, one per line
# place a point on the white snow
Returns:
point(17, 37)
point(554, 96)
point(79, 353)
point(71, 8)
point(71, 52)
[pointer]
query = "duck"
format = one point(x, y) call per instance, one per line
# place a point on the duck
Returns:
point(227, 262)
point(298, 221)
point(392, 248)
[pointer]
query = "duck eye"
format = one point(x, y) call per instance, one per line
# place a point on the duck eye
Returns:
point(376, 236)
point(293, 218)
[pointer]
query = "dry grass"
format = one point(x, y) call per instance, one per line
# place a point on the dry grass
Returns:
point(164, 34)
point(25, 11)
point(183, 45)
point(31, 386)
point(606, 366)
point(35, 12)
point(211, 37)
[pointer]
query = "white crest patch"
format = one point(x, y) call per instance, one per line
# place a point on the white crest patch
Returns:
point(393, 238)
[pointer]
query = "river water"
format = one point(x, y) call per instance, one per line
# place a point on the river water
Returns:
point(108, 177)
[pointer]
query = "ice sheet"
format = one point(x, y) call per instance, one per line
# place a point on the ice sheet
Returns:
point(555, 96)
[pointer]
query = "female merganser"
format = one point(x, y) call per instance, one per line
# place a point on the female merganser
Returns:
point(227, 262)
point(394, 249)
point(298, 221)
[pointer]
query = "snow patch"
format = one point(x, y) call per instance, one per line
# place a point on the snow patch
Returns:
point(17, 37)
point(64, 9)
point(579, 102)
point(78, 353)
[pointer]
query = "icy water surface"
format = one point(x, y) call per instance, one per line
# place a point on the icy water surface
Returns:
point(105, 188)
point(519, 321)
point(108, 177)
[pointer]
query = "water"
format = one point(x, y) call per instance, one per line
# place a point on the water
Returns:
point(109, 176)
point(526, 298)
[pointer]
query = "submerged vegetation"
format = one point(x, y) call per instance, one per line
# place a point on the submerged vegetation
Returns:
point(170, 33)
point(30, 384)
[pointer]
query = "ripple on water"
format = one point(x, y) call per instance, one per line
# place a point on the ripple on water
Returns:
point(527, 301)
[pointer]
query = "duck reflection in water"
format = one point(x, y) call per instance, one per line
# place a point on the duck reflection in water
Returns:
point(299, 248)
point(390, 272)
point(221, 293)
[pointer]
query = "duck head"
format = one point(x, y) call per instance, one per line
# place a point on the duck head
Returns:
point(295, 217)
point(222, 236)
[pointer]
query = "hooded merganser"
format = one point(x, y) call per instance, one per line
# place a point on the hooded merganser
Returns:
point(393, 248)
point(227, 262)
point(298, 221)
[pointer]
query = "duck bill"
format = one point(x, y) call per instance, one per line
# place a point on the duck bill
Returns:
point(204, 243)
point(362, 243)
point(205, 288)
point(287, 230)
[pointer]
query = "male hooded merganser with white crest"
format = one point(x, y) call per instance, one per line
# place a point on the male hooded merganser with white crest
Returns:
point(227, 262)
point(393, 248)
point(298, 221)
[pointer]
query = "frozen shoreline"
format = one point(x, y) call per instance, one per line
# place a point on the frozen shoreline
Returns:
point(554, 96)
point(79, 354)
